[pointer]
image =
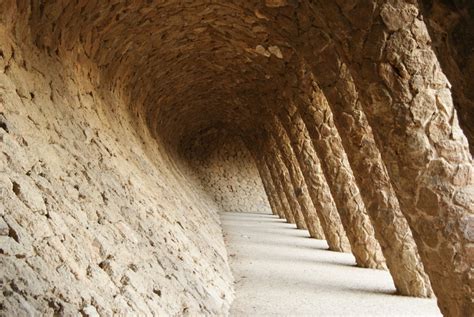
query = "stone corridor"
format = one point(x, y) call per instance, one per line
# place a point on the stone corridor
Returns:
point(128, 127)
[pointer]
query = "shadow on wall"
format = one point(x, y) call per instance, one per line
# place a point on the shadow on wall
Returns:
point(451, 27)
point(226, 171)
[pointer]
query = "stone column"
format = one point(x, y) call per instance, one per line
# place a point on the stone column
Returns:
point(281, 195)
point(317, 185)
point(391, 228)
point(297, 179)
point(270, 190)
point(408, 102)
point(281, 174)
point(343, 187)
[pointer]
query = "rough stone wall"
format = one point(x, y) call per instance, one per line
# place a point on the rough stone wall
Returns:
point(95, 215)
point(227, 172)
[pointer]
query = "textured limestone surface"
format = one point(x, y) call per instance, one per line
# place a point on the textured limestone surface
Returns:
point(94, 216)
point(227, 171)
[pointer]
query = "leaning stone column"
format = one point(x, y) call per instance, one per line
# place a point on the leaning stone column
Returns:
point(345, 192)
point(391, 227)
point(408, 102)
point(266, 187)
point(281, 195)
point(297, 179)
point(269, 187)
point(317, 185)
point(266, 181)
point(282, 174)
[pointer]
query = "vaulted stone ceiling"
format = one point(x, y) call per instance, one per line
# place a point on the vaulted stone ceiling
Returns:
point(223, 59)
point(219, 58)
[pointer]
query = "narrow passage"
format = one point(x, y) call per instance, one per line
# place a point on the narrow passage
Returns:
point(279, 270)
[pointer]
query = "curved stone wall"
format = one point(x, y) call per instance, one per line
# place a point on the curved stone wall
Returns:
point(95, 216)
point(227, 171)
